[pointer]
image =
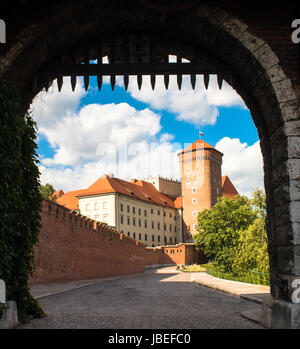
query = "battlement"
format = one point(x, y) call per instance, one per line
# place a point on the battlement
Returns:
point(78, 221)
point(74, 247)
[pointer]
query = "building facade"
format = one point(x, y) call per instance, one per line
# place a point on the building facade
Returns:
point(201, 180)
point(157, 211)
point(136, 209)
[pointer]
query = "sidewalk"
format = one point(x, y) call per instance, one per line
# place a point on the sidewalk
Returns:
point(256, 293)
point(252, 292)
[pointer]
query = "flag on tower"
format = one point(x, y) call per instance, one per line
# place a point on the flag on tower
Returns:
point(201, 134)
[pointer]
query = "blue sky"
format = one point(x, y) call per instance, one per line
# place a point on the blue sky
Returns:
point(72, 125)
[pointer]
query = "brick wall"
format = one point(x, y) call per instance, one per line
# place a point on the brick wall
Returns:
point(73, 247)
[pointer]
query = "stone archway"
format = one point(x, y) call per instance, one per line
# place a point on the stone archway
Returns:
point(262, 83)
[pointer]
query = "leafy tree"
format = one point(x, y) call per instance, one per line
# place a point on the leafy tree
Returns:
point(252, 253)
point(219, 229)
point(233, 234)
point(47, 191)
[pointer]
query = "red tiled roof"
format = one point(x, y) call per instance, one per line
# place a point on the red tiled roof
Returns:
point(57, 194)
point(228, 189)
point(69, 199)
point(199, 144)
point(137, 189)
point(178, 202)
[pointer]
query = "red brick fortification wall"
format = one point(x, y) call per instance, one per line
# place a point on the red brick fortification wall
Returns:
point(73, 247)
point(181, 254)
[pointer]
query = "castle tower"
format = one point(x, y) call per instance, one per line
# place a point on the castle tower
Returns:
point(201, 181)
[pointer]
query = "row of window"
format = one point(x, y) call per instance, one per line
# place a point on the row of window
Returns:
point(146, 224)
point(173, 251)
point(134, 235)
point(194, 189)
point(96, 206)
point(145, 211)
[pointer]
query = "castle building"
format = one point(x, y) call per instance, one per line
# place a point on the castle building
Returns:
point(137, 209)
point(156, 211)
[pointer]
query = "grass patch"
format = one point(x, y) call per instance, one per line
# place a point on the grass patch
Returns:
point(192, 268)
point(252, 277)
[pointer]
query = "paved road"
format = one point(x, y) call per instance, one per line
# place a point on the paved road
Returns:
point(158, 299)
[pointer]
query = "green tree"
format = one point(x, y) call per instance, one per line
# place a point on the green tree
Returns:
point(219, 229)
point(252, 253)
point(47, 191)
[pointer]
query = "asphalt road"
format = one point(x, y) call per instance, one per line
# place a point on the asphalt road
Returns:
point(158, 299)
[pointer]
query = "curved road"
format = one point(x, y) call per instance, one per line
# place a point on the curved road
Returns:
point(158, 299)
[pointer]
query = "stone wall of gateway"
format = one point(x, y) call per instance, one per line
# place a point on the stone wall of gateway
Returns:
point(73, 247)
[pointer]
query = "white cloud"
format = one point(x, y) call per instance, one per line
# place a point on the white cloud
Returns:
point(50, 107)
point(100, 139)
point(198, 107)
point(139, 160)
point(77, 138)
point(242, 163)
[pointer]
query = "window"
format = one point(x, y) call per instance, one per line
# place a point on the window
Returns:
point(165, 239)
point(152, 225)
point(175, 241)
point(133, 210)
point(158, 225)
point(195, 226)
point(128, 220)
point(122, 220)
point(152, 245)
point(153, 239)
point(170, 215)
point(170, 227)
point(146, 237)
point(165, 226)
point(87, 207)
point(133, 221)
point(140, 223)
point(105, 204)
point(139, 211)
point(164, 214)
point(158, 238)
point(96, 206)
point(145, 213)
point(194, 201)
point(134, 235)
point(128, 209)
point(121, 207)
point(145, 224)
point(187, 181)
point(151, 211)
point(158, 212)
point(170, 239)
point(194, 190)
point(140, 236)
point(128, 233)
point(194, 213)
